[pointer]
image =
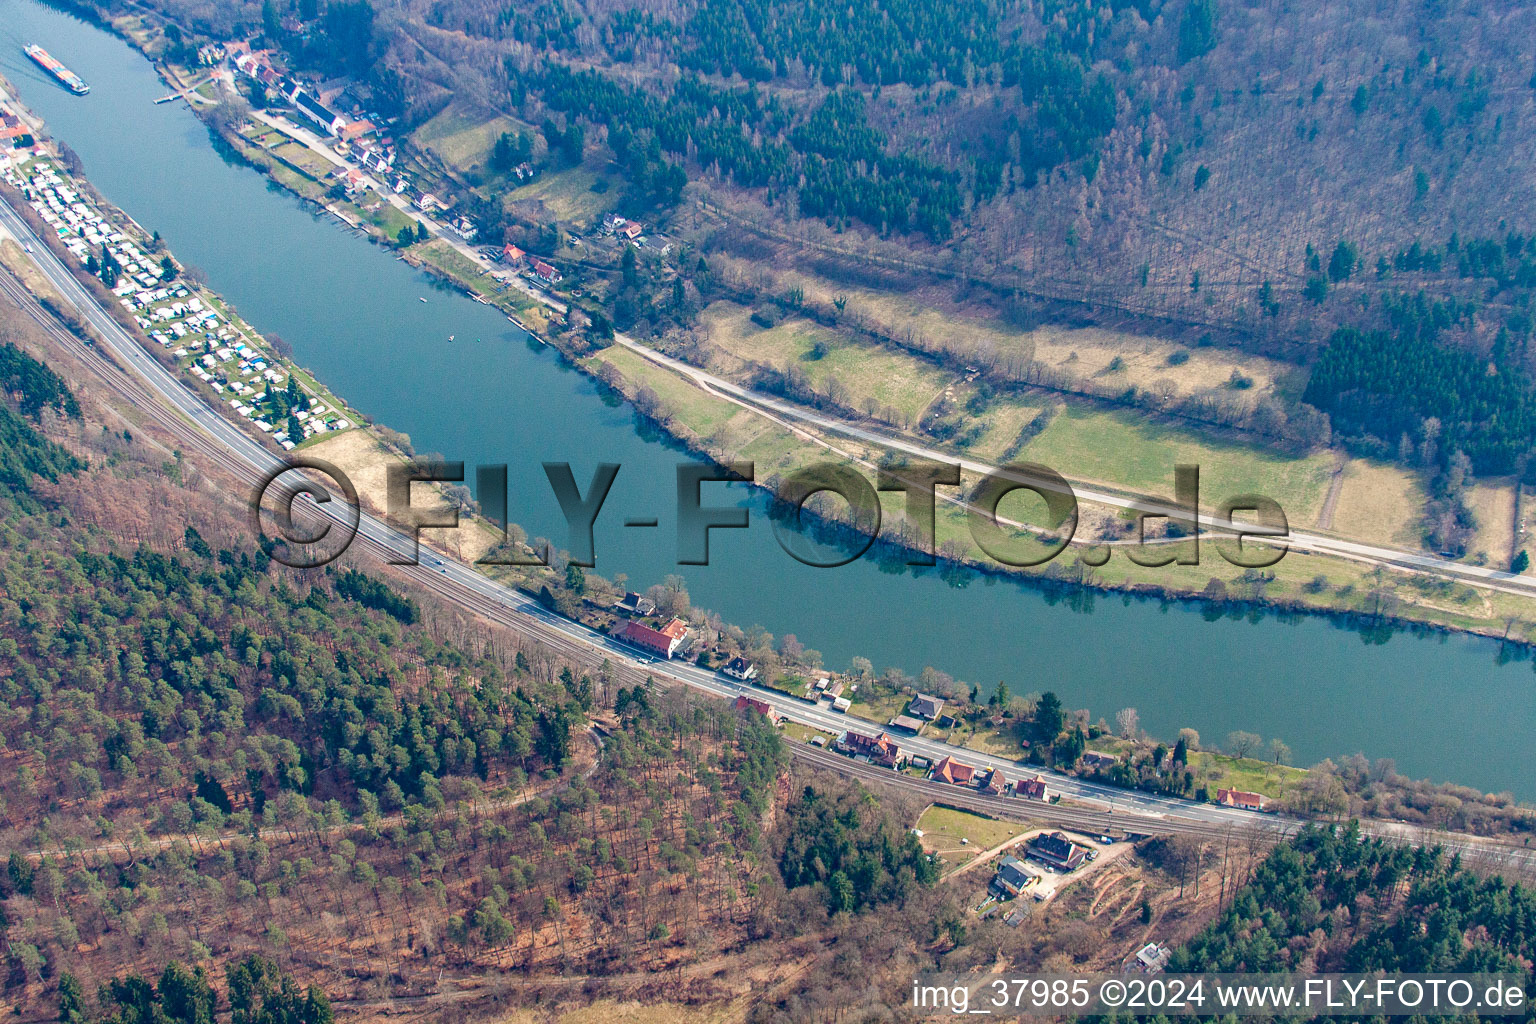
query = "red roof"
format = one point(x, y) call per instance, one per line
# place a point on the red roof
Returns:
point(1033, 788)
point(512, 253)
point(762, 707)
point(952, 771)
point(663, 641)
point(1239, 798)
point(881, 749)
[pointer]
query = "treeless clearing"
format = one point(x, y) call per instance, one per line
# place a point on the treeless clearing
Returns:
point(1123, 449)
point(934, 320)
point(1492, 500)
point(364, 458)
point(462, 137)
point(961, 837)
point(1005, 419)
point(903, 383)
point(609, 1011)
point(1379, 504)
point(568, 195)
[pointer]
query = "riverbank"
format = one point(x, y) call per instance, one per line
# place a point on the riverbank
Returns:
point(576, 602)
point(1348, 589)
point(353, 315)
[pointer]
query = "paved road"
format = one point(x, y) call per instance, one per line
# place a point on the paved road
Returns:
point(1410, 561)
point(1493, 579)
point(462, 585)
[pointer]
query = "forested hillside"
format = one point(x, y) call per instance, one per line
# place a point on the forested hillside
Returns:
point(1112, 148)
point(212, 757)
point(236, 787)
point(1328, 901)
point(1256, 176)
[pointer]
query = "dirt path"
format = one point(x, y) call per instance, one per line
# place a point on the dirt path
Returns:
point(1335, 487)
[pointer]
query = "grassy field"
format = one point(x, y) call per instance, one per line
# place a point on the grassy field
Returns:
point(446, 258)
point(569, 195)
point(701, 413)
point(385, 216)
point(304, 158)
point(876, 703)
point(1248, 774)
point(890, 380)
point(1122, 449)
point(804, 733)
point(1005, 419)
point(944, 827)
point(462, 136)
point(1379, 504)
point(988, 739)
point(1493, 502)
point(931, 319)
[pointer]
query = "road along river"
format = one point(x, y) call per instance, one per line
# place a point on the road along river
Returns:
point(351, 313)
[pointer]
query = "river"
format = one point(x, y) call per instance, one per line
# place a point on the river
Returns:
point(1445, 707)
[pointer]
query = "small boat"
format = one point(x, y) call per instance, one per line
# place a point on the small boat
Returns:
point(452, 336)
point(420, 299)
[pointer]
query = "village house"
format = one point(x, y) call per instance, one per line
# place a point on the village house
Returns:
point(354, 130)
point(995, 784)
point(662, 642)
point(633, 604)
point(880, 750)
point(631, 231)
point(924, 706)
point(741, 669)
point(754, 706)
point(1150, 959)
point(906, 723)
point(312, 110)
point(512, 256)
point(1094, 760)
point(1011, 878)
point(546, 273)
point(1031, 789)
point(954, 772)
point(1240, 798)
point(1056, 850)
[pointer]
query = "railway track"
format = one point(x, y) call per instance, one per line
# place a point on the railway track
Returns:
point(128, 370)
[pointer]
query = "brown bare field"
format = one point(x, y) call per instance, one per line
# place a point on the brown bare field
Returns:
point(16, 261)
point(610, 1011)
point(365, 459)
point(1492, 500)
point(933, 319)
point(1379, 504)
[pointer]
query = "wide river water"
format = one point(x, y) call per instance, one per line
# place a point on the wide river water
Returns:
point(1444, 707)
